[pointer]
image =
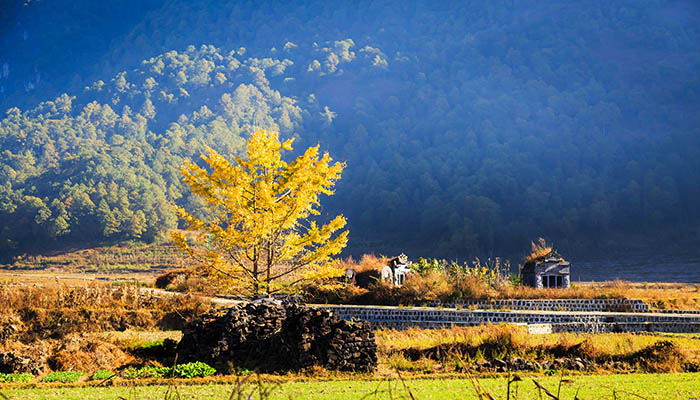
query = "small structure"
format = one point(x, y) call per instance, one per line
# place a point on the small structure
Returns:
point(397, 270)
point(547, 271)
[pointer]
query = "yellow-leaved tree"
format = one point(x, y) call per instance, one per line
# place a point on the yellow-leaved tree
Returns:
point(259, 238)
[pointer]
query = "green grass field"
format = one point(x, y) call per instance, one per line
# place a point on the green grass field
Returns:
point(632, 386)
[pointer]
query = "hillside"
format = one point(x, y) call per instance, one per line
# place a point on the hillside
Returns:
point(466, 127)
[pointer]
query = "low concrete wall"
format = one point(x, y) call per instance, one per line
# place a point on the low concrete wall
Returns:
point(675, 327)
point(432, 318)
point(620, 305)
point(678, 311)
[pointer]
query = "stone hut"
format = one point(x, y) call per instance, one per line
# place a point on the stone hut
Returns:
point(547, 271)
point(396, 272)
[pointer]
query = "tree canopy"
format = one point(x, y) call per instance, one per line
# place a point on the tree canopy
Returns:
point(467, 126)
point(259, 237)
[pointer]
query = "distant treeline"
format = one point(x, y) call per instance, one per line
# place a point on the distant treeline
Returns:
point(466, 126)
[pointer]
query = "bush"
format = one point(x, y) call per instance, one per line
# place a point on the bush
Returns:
point(424, 266)
point(5, 378)
point(190, 370)
point(101, 374)
point(148, 371)
point(63, 376)
point(193, 370)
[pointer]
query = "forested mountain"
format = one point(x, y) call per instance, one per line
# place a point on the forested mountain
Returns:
point(466, 126)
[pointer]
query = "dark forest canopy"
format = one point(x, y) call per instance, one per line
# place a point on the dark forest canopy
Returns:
point(466, 127)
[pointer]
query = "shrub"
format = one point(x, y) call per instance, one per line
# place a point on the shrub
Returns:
point(467, 286)
point(370, 262)
point(63, 376)
point(193, 370)
point(504, 340)
point(190, 370)
point(101, 374)
point(5, 378)
point(424, 266)
point(149, 371)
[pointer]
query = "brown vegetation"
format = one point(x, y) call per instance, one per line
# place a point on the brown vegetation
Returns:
point(128, 257)
point(539, 250)
point(167, 278)
point(55, 311)
point(453, 349)
point(80, 352)
point(46, 327)
point(487, 280)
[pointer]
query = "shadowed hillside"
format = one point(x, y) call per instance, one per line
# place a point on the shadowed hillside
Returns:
point(466, 127)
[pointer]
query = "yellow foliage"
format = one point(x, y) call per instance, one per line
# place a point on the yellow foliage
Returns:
point(257, 238)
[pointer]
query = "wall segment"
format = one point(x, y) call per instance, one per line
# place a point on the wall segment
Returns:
point(539, 321)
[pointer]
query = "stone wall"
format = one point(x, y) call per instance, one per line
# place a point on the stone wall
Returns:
point(621, 305)
point(605, 327)
point(590, 321)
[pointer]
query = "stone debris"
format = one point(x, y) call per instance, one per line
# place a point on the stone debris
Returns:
point(271, 336)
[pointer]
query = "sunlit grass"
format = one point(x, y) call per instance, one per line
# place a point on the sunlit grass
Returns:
point(650, 386)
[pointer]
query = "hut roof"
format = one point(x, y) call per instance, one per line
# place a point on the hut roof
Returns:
point(551, 256)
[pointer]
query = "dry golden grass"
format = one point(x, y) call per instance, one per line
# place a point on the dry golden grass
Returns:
point(539, 249)
point(598, 344)
point(672, 296)
point(368, 262)
point(436, 286)
point(131, 257)
point(458, 284)
point(431, 286)
point(88, 354)
point(56, 325)
point(418, 351)
point(57, 310)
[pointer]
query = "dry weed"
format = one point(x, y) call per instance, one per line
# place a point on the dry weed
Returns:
point(371, 262)
point(87, 354)
point(55, 311)
point(433, 285)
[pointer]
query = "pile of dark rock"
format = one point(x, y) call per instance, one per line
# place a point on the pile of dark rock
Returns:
point(272, 336)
